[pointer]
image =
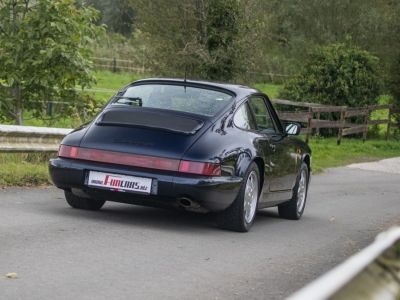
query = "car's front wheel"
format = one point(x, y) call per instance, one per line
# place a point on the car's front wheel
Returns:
point(293, 209)
point(82, 203)
point(240, 215)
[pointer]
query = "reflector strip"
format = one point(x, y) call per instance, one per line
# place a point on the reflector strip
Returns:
point(143, 161)
point(119, 158)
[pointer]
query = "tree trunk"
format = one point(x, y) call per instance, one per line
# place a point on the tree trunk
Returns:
point(19, 109)
point(16, 90)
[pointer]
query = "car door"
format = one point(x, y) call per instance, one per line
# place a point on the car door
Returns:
point(280, 152)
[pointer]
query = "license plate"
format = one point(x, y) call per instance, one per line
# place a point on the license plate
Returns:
point(119, 183)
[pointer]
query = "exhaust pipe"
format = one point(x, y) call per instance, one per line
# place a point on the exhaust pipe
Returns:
point(185, 202)
point(191, 205)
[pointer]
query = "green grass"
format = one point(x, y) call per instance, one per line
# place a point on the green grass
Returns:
point(22, 169)
point(114, 81)
point(381, 114)
point(19, 169)
point(272, 90)
point(327, 154)
point(108, 83)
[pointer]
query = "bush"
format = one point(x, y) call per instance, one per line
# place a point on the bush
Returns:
point(339, 74)
point(395, 81)
point(394, 88)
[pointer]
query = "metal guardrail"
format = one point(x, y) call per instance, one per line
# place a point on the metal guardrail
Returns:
point(15, 138)
point(373, 273)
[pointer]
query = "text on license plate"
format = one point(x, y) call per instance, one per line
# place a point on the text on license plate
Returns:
point(119, 182)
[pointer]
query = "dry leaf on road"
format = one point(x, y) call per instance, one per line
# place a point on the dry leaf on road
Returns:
point(11, 275)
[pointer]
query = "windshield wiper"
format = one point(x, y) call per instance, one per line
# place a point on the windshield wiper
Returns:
point(131, 100)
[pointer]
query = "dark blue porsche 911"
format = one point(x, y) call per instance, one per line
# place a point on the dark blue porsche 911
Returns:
point(200, 146)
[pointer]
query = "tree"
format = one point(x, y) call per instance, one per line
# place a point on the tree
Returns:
point(118, 15)
point(394, 85)
point(339, 74)
point(222, 29)
point(196, 36)
point(286, 30)
point(395, 81)
point(43, 53)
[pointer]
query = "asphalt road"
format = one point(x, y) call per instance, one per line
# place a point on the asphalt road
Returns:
point(130, 252)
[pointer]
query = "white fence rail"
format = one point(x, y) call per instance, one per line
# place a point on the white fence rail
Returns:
point(373, 273)
point(30, 139)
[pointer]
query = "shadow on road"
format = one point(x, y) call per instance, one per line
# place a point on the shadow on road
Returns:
point(156, 218)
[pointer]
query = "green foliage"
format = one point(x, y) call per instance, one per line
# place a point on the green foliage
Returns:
point(266, 39)
point(395, 81)
point(285, 30)
point(196, 37)
point(339, 74)
point(132, 48)
point(44, 54)
point(107, 84)
point(118, 15)
point(222, 26)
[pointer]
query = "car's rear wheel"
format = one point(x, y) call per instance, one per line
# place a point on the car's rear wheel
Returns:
point(293, 209)
point(240, 215)
point(82, 203)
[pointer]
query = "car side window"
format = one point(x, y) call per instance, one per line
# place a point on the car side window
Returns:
point(243, 118)
point(264, 121)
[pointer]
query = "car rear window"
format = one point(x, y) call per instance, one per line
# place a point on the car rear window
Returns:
point(189, 99)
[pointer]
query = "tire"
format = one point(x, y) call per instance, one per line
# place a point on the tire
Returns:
point(294, 208)
point(83, 203)
point(241, 214)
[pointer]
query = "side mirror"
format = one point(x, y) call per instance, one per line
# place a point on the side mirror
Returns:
point(293, 128)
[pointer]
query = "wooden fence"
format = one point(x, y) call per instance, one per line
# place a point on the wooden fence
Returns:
point(115, 64)
point(137, 66)
point(310, 117)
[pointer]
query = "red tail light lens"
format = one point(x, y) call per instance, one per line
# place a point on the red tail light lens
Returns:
point(208, 169)
point(143, 161)
point(68, 151)
point(119, 158)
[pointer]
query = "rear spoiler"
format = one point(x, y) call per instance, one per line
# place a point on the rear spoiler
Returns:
point(132, 117)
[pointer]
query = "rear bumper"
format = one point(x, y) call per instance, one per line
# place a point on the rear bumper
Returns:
point(208, 193)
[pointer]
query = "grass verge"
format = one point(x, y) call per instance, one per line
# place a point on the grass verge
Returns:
point(272, 90)
point(20, 169)
point(327, 154)
point(24, 169)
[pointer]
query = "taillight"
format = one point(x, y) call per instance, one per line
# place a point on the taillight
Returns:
point(143, 161)
point(119, 158)
point(200, 168)
point(68, 151)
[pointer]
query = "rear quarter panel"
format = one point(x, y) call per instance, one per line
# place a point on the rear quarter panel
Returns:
point(233, 147)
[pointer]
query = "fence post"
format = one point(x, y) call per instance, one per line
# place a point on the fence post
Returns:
point(366, 121)
point(309, 129)
point(50, 108)
point(318, 118)
point(342, 120)
point(389, 122)
point(114, 65)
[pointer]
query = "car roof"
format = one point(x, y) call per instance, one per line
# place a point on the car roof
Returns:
point(240, 91)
